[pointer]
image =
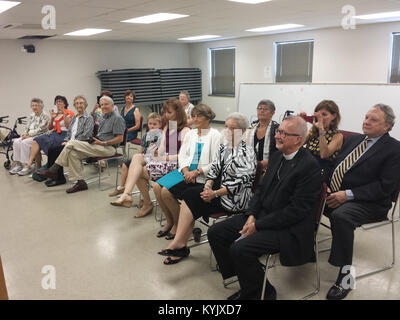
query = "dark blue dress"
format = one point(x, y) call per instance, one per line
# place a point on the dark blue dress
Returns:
point(130, 122)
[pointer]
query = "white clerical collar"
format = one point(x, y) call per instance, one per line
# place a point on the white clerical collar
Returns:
point(290, 156)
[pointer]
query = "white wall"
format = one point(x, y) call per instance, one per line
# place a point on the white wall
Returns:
point(68, 68)
point(340, 56)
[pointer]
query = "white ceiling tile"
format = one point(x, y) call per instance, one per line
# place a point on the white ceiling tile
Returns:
point(229, 19)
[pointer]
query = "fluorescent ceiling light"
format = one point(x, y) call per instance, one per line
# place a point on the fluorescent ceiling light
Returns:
point(86, 32)
point(381, 15)
point(278, 27)
point(251, 1)
point(5, 5)
point(203, 37)
point(158, 17)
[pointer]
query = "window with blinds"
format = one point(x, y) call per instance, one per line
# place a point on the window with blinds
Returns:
point(394, 76)
point(222, 71)
point(294, 61)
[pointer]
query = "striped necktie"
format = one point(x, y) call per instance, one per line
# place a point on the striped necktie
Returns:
point(337, 177)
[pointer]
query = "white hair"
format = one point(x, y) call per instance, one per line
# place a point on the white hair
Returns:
point(111, 101)
point(300, 126)
point(241, 119)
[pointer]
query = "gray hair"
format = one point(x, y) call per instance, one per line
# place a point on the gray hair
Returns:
point(39, 101)
point(389, 114)
point(186, 93)
point(242, 120)
point(268, 103)
point(300, 126)
point(107, 98)
point(81, 97)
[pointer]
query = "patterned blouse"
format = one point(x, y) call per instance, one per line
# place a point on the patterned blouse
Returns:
point(313, 145)
point(238, 167)
point(36, 125)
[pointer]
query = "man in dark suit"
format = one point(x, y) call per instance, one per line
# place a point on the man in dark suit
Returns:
point(365, 175)
point(279, 218)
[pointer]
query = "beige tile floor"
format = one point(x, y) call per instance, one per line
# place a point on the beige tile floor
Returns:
point(102, 252)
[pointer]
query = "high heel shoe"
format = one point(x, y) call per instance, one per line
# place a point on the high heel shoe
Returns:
point(121, 202)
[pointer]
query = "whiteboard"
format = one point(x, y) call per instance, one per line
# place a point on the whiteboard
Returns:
point(354, 100)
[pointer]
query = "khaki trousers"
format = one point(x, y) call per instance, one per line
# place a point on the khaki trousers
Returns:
point(75, 151)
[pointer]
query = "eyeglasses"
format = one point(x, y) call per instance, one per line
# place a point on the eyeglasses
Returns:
point(284, 134)
point(262, 109)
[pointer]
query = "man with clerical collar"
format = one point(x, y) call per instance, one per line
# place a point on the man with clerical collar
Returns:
point(280, 216)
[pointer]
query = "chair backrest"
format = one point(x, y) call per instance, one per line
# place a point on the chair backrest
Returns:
point(347, 134)
point(321, 205)
point(123, 143)
point(95, 129)
point(259, 171)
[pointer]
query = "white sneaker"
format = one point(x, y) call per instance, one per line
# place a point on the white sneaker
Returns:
point(16, 169)
point(25, 171)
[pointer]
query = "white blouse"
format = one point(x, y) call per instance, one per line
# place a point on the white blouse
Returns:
point(211, 142)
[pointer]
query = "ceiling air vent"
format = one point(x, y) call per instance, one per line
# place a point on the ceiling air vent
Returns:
point(9, 26)
point(36, 37)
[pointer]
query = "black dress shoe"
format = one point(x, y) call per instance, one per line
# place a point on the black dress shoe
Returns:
point(47, 174)
point(53, 183)
point(337, 292)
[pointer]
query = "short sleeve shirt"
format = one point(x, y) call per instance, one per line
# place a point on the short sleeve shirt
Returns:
point(112, 125)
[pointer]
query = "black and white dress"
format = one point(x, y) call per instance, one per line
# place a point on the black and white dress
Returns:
point(236, 168)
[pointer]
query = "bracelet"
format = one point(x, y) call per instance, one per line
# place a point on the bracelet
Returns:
point(216, 194)
point(322, 133)
point(207, 185)
point(198, 171)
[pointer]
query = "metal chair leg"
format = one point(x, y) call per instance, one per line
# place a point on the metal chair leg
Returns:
point(267, 266)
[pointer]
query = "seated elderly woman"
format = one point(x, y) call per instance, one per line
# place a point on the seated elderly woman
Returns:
point(235, 167)
point(80, 128)
point(58, 126)
point(262, 134)
point(324, 140)
point(195, 157)
point(37, 124)
point(144, 168)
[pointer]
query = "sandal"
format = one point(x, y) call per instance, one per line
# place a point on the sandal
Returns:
point(163, 233)
point(181, 253)
point(172, 261)
point(142, 213)
point(170, 236)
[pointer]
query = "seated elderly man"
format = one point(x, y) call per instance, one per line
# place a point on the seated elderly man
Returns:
point(110, 134)
point(279, 217)
point(366, 173)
